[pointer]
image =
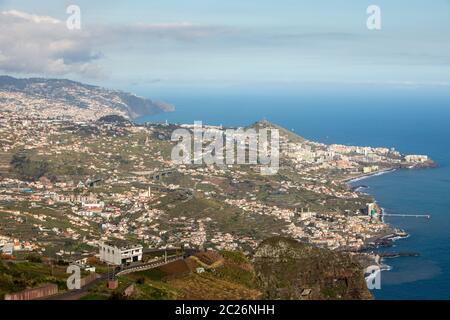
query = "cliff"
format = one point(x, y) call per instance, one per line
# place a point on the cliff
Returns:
point(287, 269)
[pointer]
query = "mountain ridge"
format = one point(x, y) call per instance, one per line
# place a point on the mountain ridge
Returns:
point(62, 97)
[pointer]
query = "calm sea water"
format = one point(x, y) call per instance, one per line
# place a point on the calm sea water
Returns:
point(412, 120)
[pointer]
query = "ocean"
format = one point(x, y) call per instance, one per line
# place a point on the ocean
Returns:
point(414, 120)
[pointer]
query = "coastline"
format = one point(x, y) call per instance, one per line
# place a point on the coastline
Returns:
point(425, 165)
point(378, 250)
point(384, 239)
point(391, 233)
point(368, 175)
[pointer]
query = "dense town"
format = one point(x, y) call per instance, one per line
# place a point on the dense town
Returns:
point(90, 182)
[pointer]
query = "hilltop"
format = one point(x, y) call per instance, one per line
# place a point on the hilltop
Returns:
point(265, 124)
point(61, 98)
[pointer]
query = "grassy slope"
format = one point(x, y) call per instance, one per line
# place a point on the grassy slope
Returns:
point(18, 276)
point(232, 280)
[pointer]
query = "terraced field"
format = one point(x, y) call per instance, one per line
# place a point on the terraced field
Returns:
point(5, 159)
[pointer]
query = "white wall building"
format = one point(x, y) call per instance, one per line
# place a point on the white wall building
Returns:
point(118, 256)
point(8, 249)
point(416, 158)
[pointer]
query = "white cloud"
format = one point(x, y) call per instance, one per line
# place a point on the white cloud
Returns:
point(30, 17)
point(32, 44)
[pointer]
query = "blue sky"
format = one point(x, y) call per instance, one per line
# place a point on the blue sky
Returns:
point(211, 43)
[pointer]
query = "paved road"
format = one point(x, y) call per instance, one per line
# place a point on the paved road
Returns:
point(147, 266)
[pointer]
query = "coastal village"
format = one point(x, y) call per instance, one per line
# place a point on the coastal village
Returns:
point(67, 187)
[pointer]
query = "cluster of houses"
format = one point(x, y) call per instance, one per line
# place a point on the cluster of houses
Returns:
point(9, 245)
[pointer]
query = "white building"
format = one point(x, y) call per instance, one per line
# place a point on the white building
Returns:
point(372, 210)
point(8, 249)
point(306, 215)
point(416, 158)
point(118, 256)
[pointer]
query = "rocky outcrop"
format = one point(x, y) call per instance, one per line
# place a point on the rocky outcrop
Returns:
point(288, 269)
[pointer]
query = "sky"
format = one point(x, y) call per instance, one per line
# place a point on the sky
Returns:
point(140, 44)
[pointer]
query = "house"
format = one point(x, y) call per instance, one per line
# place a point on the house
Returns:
point(372, 210)
point(8, 249)
point(83, 264)
point(46, 183)
point(200, 270)
point(93, 207)
point(416, 158)
point(115, 255)
point(81, 185)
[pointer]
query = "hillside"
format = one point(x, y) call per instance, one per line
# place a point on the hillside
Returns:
point(291, 136)
point(288, 269)
point(60, 98)
point(282, 268)
point(226, 275)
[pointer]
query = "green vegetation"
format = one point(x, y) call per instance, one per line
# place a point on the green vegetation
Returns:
point(285, 268)
point(27, 169)
point(237, 268)
point(236, 257)
point(231, 278)
point(18, 276)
